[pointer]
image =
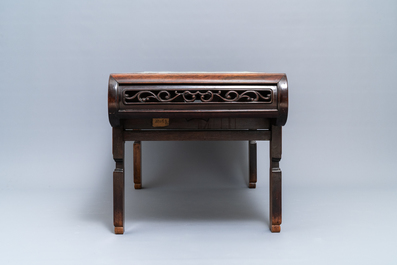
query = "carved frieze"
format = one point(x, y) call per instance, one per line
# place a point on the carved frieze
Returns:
point(199, 96)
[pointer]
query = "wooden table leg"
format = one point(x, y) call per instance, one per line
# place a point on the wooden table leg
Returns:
point(275, 179)
point(137, 165)
point(252, 164)
point(118, 180)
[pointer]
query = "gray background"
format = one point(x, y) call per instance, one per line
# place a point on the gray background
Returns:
point(339, 175)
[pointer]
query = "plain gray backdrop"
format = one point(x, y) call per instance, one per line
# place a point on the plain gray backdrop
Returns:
point(339, 143)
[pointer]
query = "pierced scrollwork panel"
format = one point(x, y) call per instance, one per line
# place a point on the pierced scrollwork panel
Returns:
point(197, 96)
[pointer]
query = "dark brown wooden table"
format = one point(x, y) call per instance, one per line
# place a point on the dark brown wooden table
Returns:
point(197, 107)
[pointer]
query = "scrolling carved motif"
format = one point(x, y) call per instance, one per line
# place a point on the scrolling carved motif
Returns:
point(173, 96)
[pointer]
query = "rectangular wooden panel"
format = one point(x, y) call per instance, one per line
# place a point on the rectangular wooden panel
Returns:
point(190, 135)
point(201, 124)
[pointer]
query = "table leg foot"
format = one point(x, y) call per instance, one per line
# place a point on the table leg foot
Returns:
point(275, 228)
point(119, 230)
point(138, 186)
point(252, 185)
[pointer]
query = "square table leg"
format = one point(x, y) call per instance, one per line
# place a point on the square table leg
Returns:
point(118, 180)
point(252, 164)
point(275, 179)
point(137, 165)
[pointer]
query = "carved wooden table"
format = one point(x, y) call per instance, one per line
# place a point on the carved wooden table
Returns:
point(197, 107)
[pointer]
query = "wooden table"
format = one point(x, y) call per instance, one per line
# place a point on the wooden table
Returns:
point(197, 107)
